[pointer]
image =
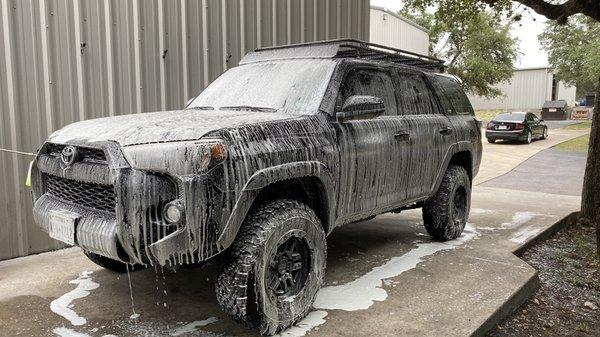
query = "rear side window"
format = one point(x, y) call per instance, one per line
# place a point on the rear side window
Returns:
point(452, 95)
point(371, 83)
point(414, 96)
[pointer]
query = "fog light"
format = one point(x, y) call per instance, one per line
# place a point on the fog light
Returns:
point(173, 212)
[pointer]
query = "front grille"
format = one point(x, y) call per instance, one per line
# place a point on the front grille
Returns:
point(85, 153)
point(90, 195)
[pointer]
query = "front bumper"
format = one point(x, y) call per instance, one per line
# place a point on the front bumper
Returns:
point(130, 228)
point(506, 135)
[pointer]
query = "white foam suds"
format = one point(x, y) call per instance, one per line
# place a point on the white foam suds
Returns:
point(361, 293)
point(66, 332)
point(62, 305)
point(525, 234)
point(519, 218)
point(311, 321)
point(191, 327)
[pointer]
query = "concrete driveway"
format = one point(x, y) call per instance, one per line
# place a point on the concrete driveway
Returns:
point(385, 277)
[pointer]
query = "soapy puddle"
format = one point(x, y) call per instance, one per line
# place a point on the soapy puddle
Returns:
point(62, 305)
point(191, 327)
point(519, 218)
point(364, 291)
point(525, 234)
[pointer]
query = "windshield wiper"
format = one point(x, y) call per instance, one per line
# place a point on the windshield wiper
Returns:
point(200, 108)
point(248, 107)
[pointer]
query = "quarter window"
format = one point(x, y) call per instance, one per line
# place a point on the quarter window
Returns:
point(371, 83)
point(452, 95)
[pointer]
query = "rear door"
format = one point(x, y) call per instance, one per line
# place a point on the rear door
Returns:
point(431, 132)
point(536, 128)
point(467, 129)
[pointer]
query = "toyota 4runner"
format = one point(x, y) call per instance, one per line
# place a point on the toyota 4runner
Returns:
point(261, 166)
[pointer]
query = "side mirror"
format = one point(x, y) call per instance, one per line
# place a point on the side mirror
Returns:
point(361, 107)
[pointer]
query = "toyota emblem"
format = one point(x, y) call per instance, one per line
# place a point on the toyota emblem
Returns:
point(68, 155)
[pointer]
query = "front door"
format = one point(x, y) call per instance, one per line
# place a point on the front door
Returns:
point(373, 152)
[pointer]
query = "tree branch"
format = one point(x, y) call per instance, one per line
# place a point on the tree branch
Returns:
point(560, 12)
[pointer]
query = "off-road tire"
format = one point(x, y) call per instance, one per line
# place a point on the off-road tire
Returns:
point(242, 290)
point(491, 140)
point(440, 212)
point(110, 264)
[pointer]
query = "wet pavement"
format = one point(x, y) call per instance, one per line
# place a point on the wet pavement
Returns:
point(385, 277)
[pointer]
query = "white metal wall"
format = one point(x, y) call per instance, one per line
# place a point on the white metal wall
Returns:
point(527, 90)
point(389, 29)
point(62, 61)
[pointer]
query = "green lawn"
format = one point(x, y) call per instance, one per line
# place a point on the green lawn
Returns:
point(487, 115)
point(575, 144)
point(579, 126)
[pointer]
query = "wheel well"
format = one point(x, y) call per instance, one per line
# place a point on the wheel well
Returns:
point(465, 160)
point(308, 190)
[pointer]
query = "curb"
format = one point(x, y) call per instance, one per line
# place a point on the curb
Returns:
point(524, 293)
point(548, 232)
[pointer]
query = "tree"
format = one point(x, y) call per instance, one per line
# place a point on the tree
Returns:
point(560, 13)
point(479, 49)
point(574, 51)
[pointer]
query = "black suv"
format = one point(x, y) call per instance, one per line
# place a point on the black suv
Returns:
point(261, 166)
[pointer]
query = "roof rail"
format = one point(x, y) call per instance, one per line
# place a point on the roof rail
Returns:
point(351, 48)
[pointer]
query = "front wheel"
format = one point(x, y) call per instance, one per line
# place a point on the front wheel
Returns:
point(275, 267)
point(545, 133)
point(445, 214)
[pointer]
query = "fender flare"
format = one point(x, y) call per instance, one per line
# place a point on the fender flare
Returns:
point(268, 176)
point(462, 146)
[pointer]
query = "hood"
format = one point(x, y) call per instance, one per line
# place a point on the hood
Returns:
point(158, 127)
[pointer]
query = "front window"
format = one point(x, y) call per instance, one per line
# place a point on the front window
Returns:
point(288, 86)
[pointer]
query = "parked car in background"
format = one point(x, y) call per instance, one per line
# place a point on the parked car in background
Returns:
point(520, 126)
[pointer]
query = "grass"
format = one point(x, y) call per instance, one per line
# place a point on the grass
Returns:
point(487, 115)
point(579, 126)
point(576, 144)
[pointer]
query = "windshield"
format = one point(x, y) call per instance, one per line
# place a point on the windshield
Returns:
point(289, 86)
point(510, 117)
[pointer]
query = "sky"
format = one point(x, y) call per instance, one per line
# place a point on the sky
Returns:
point(532, 54)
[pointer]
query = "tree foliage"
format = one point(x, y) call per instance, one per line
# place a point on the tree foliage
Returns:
point(574, 51)
point(478, 48)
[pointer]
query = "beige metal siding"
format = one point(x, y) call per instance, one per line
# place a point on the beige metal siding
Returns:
point(390, 29)
point(527, 90)
point(62, 61)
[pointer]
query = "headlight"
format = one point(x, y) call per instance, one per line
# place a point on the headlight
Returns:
point(178, 158)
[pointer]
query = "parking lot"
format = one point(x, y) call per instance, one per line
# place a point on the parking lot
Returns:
point(384, 277)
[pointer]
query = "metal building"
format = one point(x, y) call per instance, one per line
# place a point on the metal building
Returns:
point(62, 61)
point(390, 29)
point(527, 90)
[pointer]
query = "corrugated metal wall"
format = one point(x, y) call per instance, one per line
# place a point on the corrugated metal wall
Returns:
point(389, 29)
point(62, 61)
point(527, 90)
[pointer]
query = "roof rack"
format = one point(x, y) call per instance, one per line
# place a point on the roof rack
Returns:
point(351, 48)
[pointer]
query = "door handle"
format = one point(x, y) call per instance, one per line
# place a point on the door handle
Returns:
point(402, 136)
point(446, 131)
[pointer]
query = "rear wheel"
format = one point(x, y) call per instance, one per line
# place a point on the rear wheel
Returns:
point(275, 267)
point(110, 264)
point(529, 138)
point(445, 214)
point(491, 140)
